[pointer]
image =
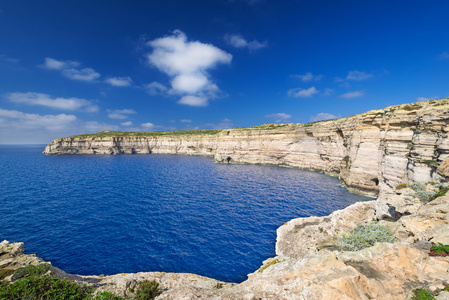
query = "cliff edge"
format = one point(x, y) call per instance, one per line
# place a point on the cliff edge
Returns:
point(374, 151)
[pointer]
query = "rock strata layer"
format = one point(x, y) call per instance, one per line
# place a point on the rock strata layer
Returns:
point(310, 262)
point(371, 152)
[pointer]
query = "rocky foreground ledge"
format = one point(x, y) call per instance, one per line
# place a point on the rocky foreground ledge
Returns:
point(371, 152)
point(310, 261)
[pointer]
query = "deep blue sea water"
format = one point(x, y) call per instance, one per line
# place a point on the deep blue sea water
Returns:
point(130, 213)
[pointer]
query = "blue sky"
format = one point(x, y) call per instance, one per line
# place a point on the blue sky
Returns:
point(71, 67)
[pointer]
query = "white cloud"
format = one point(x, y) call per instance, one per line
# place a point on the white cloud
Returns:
point(31, 98)
point(17, 127)
point(155, 88)
point(194, 101)
point(301, 93)
point(120, 114)
point(426, 98)
point(279, 117)
point(129, 123)
point(20, 120)
point(358, 76)
point(94, 126)
point(322, 117)
point(238, 41)
point(186, 62)
point(119, 81)
point(70, 69)
point(352, 94)
point(185, 121)
point(189, 83)
point(309, 77)
point(148, 126)
point(223, 124)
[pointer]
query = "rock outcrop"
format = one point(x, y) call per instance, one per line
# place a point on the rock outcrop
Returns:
point(310, 262)
point(374, 151)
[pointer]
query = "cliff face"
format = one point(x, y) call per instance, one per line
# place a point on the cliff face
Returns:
point(371, 152)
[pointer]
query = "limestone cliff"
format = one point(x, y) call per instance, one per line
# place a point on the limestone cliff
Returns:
point(371, 152)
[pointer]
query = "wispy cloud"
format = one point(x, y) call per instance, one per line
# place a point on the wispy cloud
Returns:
point(322, 117)
point(8, 59)
point(128, 123)
point(426, 98)
point(352, 94)
point(358, 75)
point(223, 124)
point(148, 126)
point(194, 101)
point(187, 62)
point(303, 93)
point(71, 69)
point(155, 88)
point(185, 121)
point(328, 92)
point(18, 119)
point(308, 77)
point(119, 81)
point(279, 117)
point(120, 114)
point(39, 99)
point(444, 55)
point(238, 41)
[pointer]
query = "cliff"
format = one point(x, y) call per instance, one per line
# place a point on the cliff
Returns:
point(374, 151)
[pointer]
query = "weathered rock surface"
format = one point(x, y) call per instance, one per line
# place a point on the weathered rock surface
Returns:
point(443, 169)
point(374, 151)
point(310, 264)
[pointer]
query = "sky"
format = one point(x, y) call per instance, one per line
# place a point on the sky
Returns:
point(71, 67)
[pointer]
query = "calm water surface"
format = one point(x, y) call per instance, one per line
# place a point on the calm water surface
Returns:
point(131, 213)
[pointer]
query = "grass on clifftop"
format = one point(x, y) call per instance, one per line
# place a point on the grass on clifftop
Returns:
point(108, 133)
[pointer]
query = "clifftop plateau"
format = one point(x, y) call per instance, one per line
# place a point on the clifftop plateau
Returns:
point(371, 152)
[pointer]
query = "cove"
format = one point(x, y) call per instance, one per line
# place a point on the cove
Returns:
point(172, 213)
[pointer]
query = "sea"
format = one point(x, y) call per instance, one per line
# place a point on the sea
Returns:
point(102, 214)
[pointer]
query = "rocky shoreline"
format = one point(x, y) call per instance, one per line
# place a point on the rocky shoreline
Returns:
point(310, 262)
point(389, 152)
point(372, 152)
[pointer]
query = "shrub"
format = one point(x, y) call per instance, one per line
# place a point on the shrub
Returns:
point(273, 262)
point(5, 272)
point(43, 288)
point(30, 270)
point(105, 296)
point(440, 250)
point(425, 196)
point(422, 294)
point(364, 236)
point(147, 290)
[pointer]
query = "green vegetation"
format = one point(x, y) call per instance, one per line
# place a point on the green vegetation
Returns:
point(422, 294)
point(439, 250)
point(30, 271)
point(364, 236)
point(43, 287)
point(147, 290)
point(346, 160)
point(401, 186)
point(273, 262)
point(108, 133)
point(5, 273)
point(266, 126)
point(33, 285)
point(424, 195)
point(432, 163)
